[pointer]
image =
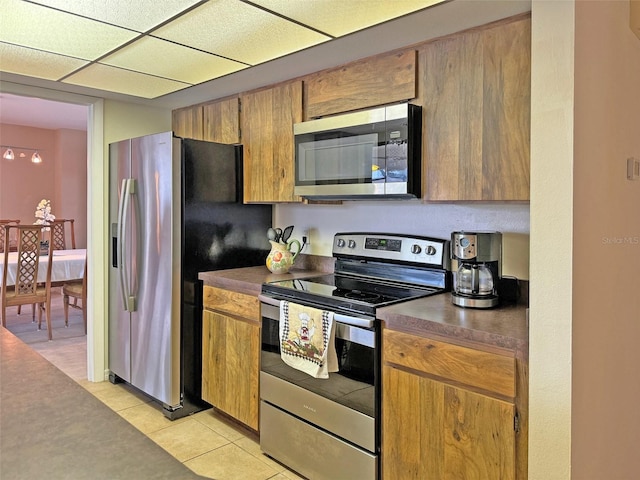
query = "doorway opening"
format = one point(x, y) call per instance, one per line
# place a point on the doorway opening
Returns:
point(91, 177)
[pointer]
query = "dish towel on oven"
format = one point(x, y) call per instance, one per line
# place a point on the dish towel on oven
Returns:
point(307, 339)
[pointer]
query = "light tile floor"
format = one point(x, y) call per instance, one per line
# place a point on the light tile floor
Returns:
point(206, 442)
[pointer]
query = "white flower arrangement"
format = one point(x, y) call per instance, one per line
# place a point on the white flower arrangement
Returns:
point(43, 213)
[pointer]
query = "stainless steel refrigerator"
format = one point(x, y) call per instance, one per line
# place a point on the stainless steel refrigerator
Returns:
point(175, 210)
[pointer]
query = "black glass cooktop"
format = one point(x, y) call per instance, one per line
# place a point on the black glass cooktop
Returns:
point(344, 292)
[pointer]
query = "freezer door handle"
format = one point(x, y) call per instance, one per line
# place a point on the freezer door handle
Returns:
point(128, 298)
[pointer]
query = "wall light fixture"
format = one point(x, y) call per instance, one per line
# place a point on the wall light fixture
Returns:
point(10, 155)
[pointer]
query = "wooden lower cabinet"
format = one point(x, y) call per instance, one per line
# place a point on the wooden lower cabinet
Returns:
point(230, 354)
point(435, 428)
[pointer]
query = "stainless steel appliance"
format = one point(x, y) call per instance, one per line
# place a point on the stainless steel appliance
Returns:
point(479, 257)
point(330, 428)
point(175, 210)
point(368, 154)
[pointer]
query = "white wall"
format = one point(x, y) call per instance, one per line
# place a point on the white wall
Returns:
point(585, 241)
point(552, 76)
point(412, 217)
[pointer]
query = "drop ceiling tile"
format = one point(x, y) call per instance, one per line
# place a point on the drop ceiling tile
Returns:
point(29, 25)
point(122, 81)
point(338, 18)
point(36, 63)
point(169, 60)
point(238, 31)
point(140, 15)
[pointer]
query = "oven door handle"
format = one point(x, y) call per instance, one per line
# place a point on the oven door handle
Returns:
point(355, 321)
point(338, 317)
point(269, 300)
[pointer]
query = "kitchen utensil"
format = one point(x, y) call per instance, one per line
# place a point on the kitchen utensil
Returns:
point(278, 234)
point(271, 234)
point(286, 233)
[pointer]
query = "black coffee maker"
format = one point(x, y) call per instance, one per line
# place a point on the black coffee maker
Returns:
point(479, 257)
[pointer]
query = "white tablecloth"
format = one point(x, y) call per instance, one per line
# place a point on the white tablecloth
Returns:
point(67, 265)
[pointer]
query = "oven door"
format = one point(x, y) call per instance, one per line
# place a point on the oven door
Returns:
point(335, 414)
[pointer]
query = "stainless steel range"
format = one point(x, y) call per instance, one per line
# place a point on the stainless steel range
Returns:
point(329, 428)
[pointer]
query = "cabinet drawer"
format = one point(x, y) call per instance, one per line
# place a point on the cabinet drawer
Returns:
point(458, 365)
point(232, 303)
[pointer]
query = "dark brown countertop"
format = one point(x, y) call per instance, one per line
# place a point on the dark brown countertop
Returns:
point(249, 280)
point(503, 327)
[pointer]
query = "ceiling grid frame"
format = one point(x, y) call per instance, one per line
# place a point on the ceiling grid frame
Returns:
point(123, 47)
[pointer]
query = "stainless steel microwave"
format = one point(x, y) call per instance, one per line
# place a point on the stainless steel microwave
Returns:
point(362, 155)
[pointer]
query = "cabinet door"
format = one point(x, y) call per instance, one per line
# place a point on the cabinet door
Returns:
point(231, 349)
point(359, 84)
point(213, 357)
point(431, 430)
point(477, 95)
point(412, 427)
point(221, 121)
point(479, 436)
point(267, 119)
point(187, 122)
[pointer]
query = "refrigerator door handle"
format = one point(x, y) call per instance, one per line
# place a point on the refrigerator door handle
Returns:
point(120, 243)
point(128, 300)
point(133, 292)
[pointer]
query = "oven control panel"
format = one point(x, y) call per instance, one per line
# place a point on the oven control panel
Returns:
point(398, 248)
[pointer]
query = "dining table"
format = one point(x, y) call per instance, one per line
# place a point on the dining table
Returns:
point(67, 265)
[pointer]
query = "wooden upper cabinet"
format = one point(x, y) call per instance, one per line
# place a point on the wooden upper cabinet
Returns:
point(188, 122)
point(477, 104)
point(373, 81)
point(217, 121)
point(475, 90)
point(267, 119)
point(221, 120)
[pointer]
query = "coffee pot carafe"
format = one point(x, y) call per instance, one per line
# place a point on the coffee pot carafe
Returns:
point(479, 257)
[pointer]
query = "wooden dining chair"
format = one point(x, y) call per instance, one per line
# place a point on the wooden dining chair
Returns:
point(12, 241)
point(78, 290)
point(26, 290)
point(59, 234)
